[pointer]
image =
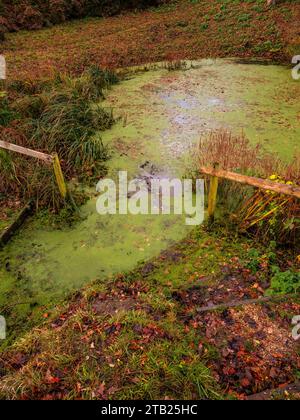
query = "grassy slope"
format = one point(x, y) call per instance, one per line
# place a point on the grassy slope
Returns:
point(188, 29)
point(139, 335)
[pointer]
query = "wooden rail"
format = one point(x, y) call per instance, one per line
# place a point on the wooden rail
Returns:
point(24, 151)
point(264, 184)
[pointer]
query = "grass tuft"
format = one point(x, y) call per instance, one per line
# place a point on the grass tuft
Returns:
point(65, 117)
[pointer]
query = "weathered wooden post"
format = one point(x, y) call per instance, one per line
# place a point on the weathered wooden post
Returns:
point(212, 196)
point(59, 176)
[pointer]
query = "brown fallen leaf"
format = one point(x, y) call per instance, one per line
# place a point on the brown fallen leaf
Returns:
point(51, 379)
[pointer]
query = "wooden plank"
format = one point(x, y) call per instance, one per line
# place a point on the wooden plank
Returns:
point(263, 184)
point(24, 151)
point(12, 229)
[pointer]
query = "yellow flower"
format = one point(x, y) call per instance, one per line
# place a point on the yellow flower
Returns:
point(273, 177)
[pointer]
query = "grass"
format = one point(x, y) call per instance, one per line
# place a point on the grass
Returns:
point(132, 336)
point(62, 116)
point(127, 361)
point(182, 30)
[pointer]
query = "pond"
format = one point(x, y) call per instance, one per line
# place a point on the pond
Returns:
point(162, 115)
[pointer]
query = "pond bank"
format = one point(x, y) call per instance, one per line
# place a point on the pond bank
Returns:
point(162, 116)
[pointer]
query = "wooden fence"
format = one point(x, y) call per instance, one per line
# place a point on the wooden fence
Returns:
point(215, 173)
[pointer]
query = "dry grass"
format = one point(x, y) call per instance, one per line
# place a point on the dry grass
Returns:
point(235, 153)
point(264, 215)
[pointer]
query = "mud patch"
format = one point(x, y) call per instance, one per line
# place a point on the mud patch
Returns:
point(112, 306)
point(256, 352)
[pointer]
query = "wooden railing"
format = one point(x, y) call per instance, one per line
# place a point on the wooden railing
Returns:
point(215, 173)
point(48, 159)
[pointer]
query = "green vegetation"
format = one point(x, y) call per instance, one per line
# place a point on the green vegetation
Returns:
point(6, 113)
point(139, 335)
point(285, 282)
point(59, 116)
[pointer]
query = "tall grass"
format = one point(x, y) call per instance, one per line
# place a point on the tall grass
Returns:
point(22, 179)
point(66, 125)
point(236, 153)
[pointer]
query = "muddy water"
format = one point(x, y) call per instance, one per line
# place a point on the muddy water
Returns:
point(162, 115)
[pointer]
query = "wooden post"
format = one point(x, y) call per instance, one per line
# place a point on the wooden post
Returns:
point(12, 229)
point(212, 196)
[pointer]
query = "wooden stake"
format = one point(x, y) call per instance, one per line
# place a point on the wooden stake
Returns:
point(12, 229)
point(59, 176)
point(212, 196)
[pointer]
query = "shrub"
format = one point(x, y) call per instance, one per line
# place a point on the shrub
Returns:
point(33, 14)
point(30, 18)
point(3, 27)
point(56, 12)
